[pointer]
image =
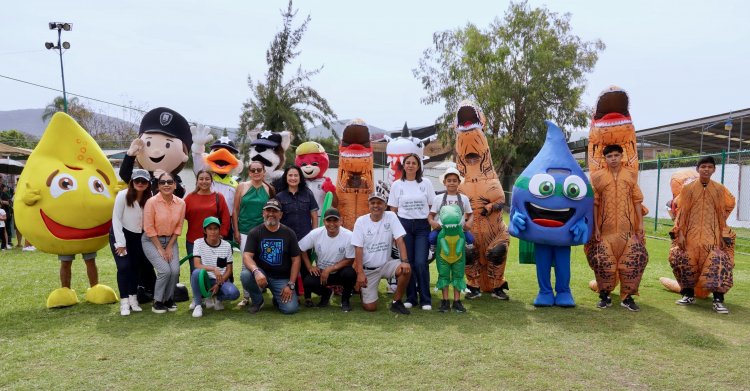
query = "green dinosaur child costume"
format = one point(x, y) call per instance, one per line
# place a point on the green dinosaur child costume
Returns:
point(450, 255)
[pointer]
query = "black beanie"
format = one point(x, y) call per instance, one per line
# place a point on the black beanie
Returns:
point(169, 122)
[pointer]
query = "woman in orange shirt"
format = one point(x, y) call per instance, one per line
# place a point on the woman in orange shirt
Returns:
point(163, 217)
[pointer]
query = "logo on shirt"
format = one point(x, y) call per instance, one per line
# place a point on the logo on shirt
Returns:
point(341, 250)
point(387, 226)
point(271, 251)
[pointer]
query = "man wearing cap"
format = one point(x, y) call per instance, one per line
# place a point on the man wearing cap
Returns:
point(163, 142)
point(335, 255)
point(214, 255)
point(372, 239)
point(272, 260)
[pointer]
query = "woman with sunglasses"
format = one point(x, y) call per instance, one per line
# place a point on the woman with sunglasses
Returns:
point(163, 217)
point(411, 198)
point(249, 200)
point(125, 238)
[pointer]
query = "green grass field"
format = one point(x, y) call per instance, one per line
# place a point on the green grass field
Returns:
point(496, 345)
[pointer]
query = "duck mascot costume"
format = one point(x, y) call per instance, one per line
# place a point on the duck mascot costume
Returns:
point(552, 207)
point(66, 194)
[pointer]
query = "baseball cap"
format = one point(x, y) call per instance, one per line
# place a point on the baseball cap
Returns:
point(211, 220)
point(377, 195)
point(451, 171)
point(332, 212)
point(140, 173)
point(272, 204)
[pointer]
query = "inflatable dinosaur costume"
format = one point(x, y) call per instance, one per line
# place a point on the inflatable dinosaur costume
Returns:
point(355, 174)
point(612, 124)
point(487, 197)
point(450, 256)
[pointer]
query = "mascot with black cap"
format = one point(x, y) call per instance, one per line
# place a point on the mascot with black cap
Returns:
point(163, 142)
point(269, 148)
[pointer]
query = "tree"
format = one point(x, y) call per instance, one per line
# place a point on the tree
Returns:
point(16, 138)
point(523, 69)
point(77, 110)
point(279, 104)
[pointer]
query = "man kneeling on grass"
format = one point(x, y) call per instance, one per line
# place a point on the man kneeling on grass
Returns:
point(372, 239)
point(215, 256)
point(272, 259)
point(333, 266)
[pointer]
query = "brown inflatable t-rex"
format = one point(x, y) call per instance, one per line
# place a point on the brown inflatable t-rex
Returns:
point(486, 271)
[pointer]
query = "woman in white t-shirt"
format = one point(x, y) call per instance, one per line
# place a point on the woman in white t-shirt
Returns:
point(411, 198)
point(125, 238)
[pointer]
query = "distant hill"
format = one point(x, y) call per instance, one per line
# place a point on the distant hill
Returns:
point(30, 121)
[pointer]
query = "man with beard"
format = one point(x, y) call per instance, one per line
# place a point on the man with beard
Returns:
point(272, 260)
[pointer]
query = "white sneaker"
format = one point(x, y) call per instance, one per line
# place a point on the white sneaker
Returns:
point(407, 304)
point(9, 247)
point(29, 248)
point(198, 312)
point(133, 301)
point(209, 302)
point(427, 307)
point(218, 305)
point(124, 307)
point(245, 301)
point(192, 305)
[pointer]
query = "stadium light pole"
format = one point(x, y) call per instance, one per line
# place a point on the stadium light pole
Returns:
point(60, 26)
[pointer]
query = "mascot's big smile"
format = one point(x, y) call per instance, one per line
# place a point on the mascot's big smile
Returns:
point(69, 233)
point(549, 217)
point(157, 159)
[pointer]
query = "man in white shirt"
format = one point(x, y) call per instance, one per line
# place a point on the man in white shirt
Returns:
point(333, 266)
point(372, 239)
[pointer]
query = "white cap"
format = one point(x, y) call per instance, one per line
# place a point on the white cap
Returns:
point(449, 171)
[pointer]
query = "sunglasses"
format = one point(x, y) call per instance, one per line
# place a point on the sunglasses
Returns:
point(167, 182)
point(140, 181)
point(255, 170)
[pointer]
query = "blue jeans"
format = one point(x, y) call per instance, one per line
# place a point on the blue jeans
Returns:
point(189, 249)
point(227, 290)
point(275, 285)
point(417, 246)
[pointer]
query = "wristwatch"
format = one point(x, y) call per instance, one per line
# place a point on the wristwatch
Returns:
point(291, 285)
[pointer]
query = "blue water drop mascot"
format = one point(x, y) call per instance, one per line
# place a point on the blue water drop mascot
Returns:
point(552, 206)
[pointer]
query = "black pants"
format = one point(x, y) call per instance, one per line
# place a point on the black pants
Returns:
point(345, 277)
point(129, 266)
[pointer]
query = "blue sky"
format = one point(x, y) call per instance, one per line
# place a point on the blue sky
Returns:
point(678, 59)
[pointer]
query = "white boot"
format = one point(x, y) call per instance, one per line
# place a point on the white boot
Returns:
point(133, 301)
point(124, 307)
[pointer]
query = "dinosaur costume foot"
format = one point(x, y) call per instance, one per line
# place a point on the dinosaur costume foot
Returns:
point(565, 299)
point(544, 300)
point(101, 294)
point(62, 297)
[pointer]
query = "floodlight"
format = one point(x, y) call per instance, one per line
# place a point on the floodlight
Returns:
point(66, 45)
point(49, 45)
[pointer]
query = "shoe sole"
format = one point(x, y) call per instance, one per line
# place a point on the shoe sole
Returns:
point(500, 297)
point(172, 309)
point(681, 303)
point(630, 309)
point(158, 311)
point(472, 297)
point(398, 311)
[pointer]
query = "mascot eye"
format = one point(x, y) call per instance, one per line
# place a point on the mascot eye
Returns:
point(542, 185)
point(62, 183)
point(315, 164)
point(574, 187)
point(97, 187)
point(148, 143)
point(167, 146)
